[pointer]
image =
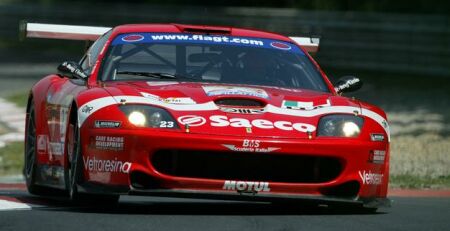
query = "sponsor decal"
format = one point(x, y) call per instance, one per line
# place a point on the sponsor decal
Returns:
point(179, 100)
point(166, 124)
point(42, 143)
point(107, 124)
point(377, 156)
point(298, 105)
point(249, 146)
point(114, 143)
point(385, 124)
point(87, 109)
point(230, 90)
point(192, 120)
point(74, 69)
point(177, 38)
point(170, 100)
point(376, 137)
point(249, 149)
point(346, 84)
point(150, 96)
point(242, 110)
point(57, 127)
point(133, 38)
point(248, 130)
point(63, 114)
point(246, 186)
point(99, 165)
point(224, 121)
point(370, 178)
point(208, 39)
point(280, 45)
point(161, 83)
point(56, 148)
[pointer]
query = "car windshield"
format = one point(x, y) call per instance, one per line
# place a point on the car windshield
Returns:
point(210, 58)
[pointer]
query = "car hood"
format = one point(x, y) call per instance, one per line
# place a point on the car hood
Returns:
point(235, 110)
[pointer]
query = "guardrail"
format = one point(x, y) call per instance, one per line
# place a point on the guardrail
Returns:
point(409, 44)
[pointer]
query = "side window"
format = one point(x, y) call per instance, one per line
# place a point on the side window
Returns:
point(91, 55)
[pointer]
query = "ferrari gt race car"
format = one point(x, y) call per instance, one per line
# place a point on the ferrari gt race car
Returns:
point(201, 111)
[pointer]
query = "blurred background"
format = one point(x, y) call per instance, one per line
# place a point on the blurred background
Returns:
point(400, 49)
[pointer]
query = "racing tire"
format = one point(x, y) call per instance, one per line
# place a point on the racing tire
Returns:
point(30, 157)
point(74, 171)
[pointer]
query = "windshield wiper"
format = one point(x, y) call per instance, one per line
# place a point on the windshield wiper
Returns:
point(158, 75)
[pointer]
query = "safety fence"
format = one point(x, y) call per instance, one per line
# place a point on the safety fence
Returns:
point(398, 43)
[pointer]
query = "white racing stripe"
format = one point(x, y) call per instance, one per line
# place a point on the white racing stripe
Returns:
point(100, 103)
point(96, 105)
point(210, 106)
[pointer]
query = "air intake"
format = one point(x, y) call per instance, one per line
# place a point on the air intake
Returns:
point(273, 167)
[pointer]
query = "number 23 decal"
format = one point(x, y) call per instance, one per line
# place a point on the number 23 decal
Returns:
point(166, 124)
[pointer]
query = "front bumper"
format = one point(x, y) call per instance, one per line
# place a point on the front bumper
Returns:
point(354, 184)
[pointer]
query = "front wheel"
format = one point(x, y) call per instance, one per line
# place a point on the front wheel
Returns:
point(74, 170)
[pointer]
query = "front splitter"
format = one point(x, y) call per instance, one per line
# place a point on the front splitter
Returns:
point(261, 197)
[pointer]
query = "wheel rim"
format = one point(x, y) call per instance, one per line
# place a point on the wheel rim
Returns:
point(30, 146)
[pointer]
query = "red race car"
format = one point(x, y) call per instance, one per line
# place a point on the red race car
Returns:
point(201, 111)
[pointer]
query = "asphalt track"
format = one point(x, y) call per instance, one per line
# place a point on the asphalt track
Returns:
point(154, 213)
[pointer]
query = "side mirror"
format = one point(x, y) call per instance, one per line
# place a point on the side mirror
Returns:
point(348, 84)
point(72, 70)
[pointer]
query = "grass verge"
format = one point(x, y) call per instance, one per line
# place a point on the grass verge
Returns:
point(19, 98)
point(11, 159)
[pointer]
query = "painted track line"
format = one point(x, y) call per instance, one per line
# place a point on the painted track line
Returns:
point(8, 203)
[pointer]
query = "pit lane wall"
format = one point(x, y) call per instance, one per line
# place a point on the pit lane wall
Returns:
point(395, 43)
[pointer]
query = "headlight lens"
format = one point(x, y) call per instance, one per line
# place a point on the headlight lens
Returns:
point(137, 118)
point(340, 126)
point(148, 116)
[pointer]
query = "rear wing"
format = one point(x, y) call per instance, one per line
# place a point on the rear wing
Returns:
point(57, 31)
point(310, 44)
point(92, 33)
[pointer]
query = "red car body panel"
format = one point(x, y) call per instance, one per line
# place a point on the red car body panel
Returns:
point(112, 155)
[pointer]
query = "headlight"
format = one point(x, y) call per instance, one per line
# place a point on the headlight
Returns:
point(137, 118)
point(148, 116)
point(340, 126)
